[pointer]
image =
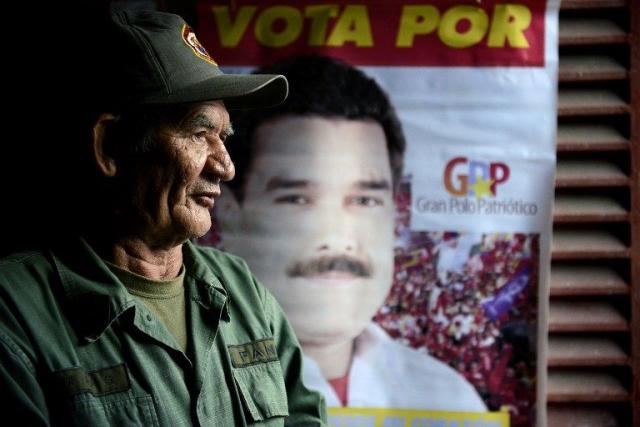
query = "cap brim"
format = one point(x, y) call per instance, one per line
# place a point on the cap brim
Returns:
point(240, 91)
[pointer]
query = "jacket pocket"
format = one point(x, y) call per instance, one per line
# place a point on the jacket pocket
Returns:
point(120, 409)
point(102, 397)
point(263, 392)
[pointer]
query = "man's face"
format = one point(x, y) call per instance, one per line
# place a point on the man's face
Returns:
point(174, 185)
point(316, 222)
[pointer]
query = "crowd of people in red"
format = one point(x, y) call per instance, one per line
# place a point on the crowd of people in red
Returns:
point(469, 300)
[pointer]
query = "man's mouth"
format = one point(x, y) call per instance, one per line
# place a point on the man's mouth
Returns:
point(205, 198)
point(333, 275)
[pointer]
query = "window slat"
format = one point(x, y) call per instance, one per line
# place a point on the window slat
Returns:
point(589, 173)
point(592, 4)
point(570, 208)
point(590, 31)
point(584, 386)
point(590, 102)
point(587, 244)
point(581, 417)
point(585, 316)
point(590, 68)
point(569, 350)
point(590, 137)
point(584, 279)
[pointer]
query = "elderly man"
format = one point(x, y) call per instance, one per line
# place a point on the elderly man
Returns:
point(312, 212)
point(129, 323)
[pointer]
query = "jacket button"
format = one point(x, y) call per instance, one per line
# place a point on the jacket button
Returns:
point(149, 318)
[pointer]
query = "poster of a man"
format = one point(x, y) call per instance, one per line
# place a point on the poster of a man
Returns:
point(312, 211)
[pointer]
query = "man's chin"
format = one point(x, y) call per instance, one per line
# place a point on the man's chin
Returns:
point(324, 322)
point(200, 232)
point(195, 230)
point(192, 221)
point(320, 337)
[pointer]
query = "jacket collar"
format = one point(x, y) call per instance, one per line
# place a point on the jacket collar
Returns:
point(212, 292)
point(97, 298)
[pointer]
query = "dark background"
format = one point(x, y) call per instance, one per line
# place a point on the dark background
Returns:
point(50, 49)
point(45, 48)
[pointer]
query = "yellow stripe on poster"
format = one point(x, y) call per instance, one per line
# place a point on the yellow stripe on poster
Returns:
point(382, 417)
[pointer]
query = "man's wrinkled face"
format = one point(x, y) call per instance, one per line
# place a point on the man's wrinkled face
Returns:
point(316, 222)
point(176, 182)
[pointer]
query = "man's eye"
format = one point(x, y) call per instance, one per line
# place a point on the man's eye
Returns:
point(293, 199)
point(200, 135)
point(366, 201)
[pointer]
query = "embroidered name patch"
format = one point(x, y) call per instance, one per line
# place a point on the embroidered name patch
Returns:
point(252, 353)
point(103, 381)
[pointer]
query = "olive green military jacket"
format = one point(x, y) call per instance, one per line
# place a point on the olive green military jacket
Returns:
point(77, 349)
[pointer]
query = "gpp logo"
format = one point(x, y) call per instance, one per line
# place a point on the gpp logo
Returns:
point(464, 177)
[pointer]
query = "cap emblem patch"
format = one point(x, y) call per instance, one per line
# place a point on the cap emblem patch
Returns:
point(192, 41)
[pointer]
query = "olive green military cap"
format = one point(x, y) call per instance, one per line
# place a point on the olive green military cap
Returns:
point(155, 58)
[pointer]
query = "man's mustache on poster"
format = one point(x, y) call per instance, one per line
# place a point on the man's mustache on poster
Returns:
point(330, 263)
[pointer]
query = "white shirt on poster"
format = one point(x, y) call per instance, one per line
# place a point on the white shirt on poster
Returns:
point(387, 374)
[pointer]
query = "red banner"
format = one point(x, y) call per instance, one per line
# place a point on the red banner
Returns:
point(429, 33)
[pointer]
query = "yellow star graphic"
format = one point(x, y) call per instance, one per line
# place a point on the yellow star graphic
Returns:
point(482, 187)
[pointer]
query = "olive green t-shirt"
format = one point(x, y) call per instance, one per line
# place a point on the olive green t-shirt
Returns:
point(165, 298)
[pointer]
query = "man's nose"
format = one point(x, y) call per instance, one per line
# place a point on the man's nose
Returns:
point(337, 235)
point(336, 244)
point(219, 164)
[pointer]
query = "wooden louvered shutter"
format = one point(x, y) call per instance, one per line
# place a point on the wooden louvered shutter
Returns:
point(593, 358)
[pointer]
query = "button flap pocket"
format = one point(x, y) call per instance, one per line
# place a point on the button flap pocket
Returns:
point(263, 391)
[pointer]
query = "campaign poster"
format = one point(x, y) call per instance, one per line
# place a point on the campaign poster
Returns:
point(398, 204)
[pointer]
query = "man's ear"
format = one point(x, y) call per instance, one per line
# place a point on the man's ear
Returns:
point(227, 211)
point(106, 164)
